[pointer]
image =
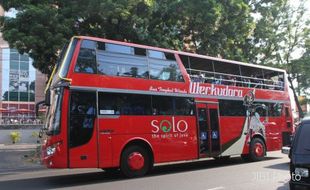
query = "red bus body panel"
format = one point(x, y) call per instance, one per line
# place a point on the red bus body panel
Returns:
point(112, 134)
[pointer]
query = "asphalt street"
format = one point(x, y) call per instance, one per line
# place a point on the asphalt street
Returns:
point(18, 160)
point(271, 173)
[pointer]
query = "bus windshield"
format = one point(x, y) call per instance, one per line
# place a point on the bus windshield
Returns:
point(53, 116)
point(63, 63)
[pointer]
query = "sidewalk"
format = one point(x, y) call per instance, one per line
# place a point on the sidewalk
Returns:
point(18, 147)
point(15, 157)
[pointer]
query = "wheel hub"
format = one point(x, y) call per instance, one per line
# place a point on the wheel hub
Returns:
point(258, 149)
point(135, 161)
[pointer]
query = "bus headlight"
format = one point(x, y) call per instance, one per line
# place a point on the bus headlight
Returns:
point(303, 172)
point(50, 150)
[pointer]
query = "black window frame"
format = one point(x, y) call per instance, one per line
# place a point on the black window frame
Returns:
point(152, 105)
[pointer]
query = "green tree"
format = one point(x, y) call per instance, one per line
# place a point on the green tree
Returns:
point(41, 28)
point(281, 29)
point(300, 70)
point(278, 33)
point(262, 32)
point(217, 28)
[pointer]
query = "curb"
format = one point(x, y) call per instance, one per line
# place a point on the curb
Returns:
point(24, 169)
point(18, 147)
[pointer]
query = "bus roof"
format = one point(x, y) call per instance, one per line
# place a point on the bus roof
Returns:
point(178, 52)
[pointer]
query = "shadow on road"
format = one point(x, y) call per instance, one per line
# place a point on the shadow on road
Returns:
point(201, 165)
point(71, 180)
point(285, 186)
point(60, 181)
point(280, 166)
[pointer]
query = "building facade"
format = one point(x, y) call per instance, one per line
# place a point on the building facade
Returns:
point(21, 87)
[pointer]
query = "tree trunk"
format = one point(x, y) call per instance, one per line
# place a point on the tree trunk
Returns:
point(300, 112)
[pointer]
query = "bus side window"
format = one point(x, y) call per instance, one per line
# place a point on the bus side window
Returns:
point(162, 105)
point(82, 117)
point(124, 104)
point(184, 106)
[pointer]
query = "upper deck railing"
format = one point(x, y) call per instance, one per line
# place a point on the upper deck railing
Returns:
point(234, 80)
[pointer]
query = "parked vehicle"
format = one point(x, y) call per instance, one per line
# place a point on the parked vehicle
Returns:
point(286, 149)
point(300, 156)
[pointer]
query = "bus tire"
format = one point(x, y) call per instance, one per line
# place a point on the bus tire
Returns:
point(110, 170)
point(292, 186)
point(245, 157)
point(222, 158)
point(257, 150)
point(135, 161)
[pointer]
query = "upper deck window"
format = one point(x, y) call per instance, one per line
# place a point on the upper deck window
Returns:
point(156, 54)
point(163, 66)
point(126, 61)
point(86, 62)
point(123, 62)
point(274, 79)
point(88, 44)
point(227, 73)
point(205, 70)
point(119, 48)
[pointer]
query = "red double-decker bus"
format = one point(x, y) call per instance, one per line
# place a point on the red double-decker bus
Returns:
point(122, 105)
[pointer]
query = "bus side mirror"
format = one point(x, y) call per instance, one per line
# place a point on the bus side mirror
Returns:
point(38, 105)
point(48, 97)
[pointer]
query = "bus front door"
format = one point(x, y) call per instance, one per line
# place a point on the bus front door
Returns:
point(209, 130)
point(82, 130)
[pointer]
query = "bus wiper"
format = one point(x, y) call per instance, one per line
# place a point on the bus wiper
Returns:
point(42, 131)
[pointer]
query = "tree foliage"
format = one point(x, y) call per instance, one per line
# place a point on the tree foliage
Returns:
point(205, 26)
point(300, 69)
point(256, 31)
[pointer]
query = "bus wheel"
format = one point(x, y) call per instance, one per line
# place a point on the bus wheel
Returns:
point(135, 161)
point(257, 150)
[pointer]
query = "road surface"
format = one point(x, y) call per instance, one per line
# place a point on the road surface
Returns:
point(272, 173)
